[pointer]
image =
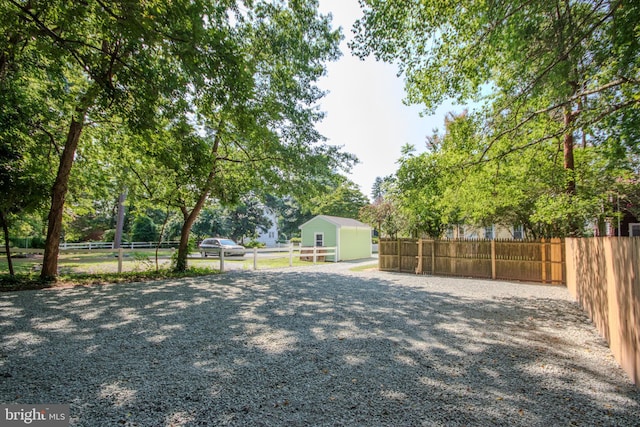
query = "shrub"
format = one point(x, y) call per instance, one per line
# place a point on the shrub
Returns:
point(191, 247)
point(254, 244)
point(36, 242)
point(109, 235)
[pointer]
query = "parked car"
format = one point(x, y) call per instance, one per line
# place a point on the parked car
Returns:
point(213, 246)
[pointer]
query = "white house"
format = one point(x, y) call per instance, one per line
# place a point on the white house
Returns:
point(491, 232)
point(269, 237)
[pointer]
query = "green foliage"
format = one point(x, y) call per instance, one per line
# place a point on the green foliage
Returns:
point(192, 246)
point(254, 244)
point(341, 197)
point(385, 216)
point(291, 214)
point(109, 235)
point(558, 126)
point(381, 187)
point(212, 221)
point(249, 123)
point(246, 218)
point(438, 188)
point(35, 242)
point(143, 230)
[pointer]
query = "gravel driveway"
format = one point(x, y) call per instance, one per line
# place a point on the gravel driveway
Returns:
point(312, 346)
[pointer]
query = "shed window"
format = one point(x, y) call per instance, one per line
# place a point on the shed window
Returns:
point(319, 240)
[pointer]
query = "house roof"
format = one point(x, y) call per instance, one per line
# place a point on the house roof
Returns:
point(339, 221)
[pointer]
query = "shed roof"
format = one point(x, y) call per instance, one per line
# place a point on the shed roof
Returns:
point(339, 221)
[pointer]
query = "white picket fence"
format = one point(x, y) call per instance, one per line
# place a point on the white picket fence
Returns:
point(109, 245)
point(316, 253)
point(142, 245)
point(312, 254)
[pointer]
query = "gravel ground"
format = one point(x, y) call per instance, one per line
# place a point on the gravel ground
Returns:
point(312, 346)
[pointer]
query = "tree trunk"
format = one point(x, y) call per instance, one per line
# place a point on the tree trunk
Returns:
point(569, 164)
point(117, 239)
point(190, 217)
point(164, 225)
point(185, 232)
point(7, 244)
point(183, 246)
point(569, 167)
point(58, 195)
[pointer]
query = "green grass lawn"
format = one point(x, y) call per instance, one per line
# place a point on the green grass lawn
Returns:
point(91, 262)
point(246, 263)
point(372, 266)
point(101, 266)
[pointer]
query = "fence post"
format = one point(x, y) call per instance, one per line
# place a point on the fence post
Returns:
point(314, 254)
point(255, 258)
point(399, 254)
point(452, 256)
point(543, 258)
point(120, 252)
point(419, 267)
point(433, 257)
point(493, 259)
point(556, 261)
point(221, 255)
point(291, 255)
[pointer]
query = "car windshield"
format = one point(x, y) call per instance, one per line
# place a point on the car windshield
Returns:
point(227, 242)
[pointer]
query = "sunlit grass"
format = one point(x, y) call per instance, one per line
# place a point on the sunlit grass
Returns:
point(24, 281)
point(101, 266)
point(372, 266)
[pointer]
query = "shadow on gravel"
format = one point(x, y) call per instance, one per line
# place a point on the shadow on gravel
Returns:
point(287, 348)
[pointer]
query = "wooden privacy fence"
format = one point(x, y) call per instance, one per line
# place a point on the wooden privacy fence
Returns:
point(532, 261)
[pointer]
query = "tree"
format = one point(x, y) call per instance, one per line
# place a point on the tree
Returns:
point(419, 184)
point(143, 229)
point(555, 70)
point(212, 221)
point(258, 133)
point(106, 60)
point(200, 100)
point(342, 198)
point(246, 218)
point(381, 187)
point(384, 214)
point(291, 214)
point(24, 175)
point(438, 188)
point(21, 183)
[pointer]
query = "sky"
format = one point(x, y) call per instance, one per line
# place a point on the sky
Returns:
point(364, 109)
